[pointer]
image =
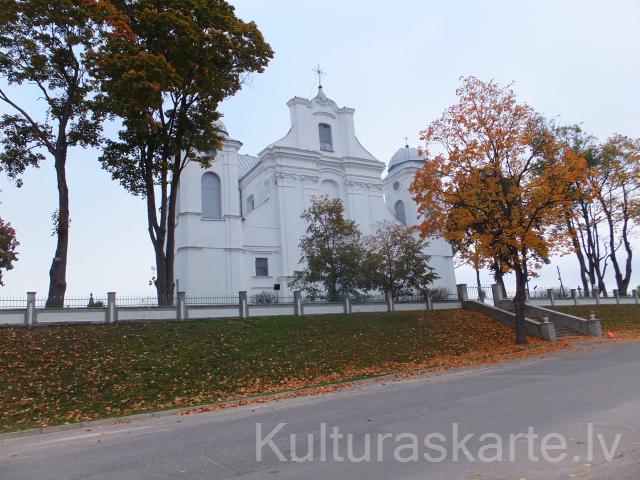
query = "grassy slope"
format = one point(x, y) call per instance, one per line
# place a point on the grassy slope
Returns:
point(59, 374)
point(617, 318)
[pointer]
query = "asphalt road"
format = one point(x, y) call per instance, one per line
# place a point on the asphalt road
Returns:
point(561, 395)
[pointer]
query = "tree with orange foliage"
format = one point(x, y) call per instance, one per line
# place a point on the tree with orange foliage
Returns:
point(496, 176)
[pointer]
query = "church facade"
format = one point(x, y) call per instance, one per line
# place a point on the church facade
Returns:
point(238, 222)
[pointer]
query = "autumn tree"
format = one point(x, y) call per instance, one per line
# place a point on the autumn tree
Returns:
point(331, 251)
point(44, 46)
point(618, 195)
point(584, 221)
point(8, 245)
point(496, 164)
point(605, 211)
point(467, 252)
point(395, 261)
point(165, 82)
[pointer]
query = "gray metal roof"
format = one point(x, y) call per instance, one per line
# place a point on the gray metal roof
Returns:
point(245, 164)
point(403, 155)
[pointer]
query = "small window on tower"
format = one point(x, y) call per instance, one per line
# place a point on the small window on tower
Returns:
point(400, 214)
point(262, 267)
point(211, 197)
point(326, 142)
point(251, 204)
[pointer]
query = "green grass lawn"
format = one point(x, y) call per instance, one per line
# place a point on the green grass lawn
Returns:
point(617, 318)
point(58, 374)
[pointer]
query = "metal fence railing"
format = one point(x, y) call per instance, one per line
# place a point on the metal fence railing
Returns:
point(70, 302)
point(9, 303)
point(258, 299)
point(262, 299)
point(322, 299)
point(212, 300)
point(141, 302)
point(483, 293)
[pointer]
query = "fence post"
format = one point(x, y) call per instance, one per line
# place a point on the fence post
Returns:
point(550, 293)
point(574, 295)
point(496, 289)
point(347, 304)
point(635, 295)
point(112, 312)
point(616, 293)
point(594, 326)
point(298, 309)
point(244, 306)
point(596, 294)
point(182, 312)
point(30, 313)
point(548, 330)
point(463, 295)
point(428, 300)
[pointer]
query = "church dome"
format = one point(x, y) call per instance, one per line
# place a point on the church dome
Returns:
point(222, 127)
point(405, 155)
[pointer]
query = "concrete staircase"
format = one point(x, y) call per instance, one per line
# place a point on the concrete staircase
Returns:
point(540, 322)
point(566, 326)
point(563, 333)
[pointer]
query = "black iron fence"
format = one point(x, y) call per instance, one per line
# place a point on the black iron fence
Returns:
point(257, 299)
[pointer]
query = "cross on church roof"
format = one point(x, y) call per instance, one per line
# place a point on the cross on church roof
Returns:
point(406, 141)
point(318, 71)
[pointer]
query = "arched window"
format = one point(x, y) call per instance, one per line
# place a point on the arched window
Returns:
point(329, 188)
point(326, 142)
point(400, 215)
point(251, 204)
point(211, 196)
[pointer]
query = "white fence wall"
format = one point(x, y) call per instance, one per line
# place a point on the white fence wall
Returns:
point(541, 302)
point(270, 310)
point(146, 313)
point(369, 307)
point(16, 316)
point(71, 315)
point(447, 305)
point(323, 308)
point(217, 311)
point(12, 317)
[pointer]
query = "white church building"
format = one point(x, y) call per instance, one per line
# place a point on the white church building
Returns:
point(238, 222)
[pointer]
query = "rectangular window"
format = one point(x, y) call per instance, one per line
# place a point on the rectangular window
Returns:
point(326, 142)
point(262, 267)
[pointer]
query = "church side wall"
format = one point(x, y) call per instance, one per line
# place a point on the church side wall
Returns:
point(208, 251)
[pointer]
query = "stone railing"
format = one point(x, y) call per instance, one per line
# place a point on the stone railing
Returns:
point(117, 310)
point(578, 325)
point(534, 328)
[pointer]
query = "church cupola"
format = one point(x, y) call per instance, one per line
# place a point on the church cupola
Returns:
point(406, 156)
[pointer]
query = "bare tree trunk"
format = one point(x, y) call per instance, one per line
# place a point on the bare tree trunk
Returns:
point(58, 270)
point(498, 276)
point(519, 306)
point(161, 274)
point(591, 247)
point(479, 285)
point(169, 252)
point(622, 280)
point(584, 271)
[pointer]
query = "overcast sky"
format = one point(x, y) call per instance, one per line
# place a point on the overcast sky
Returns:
point(398, 64)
